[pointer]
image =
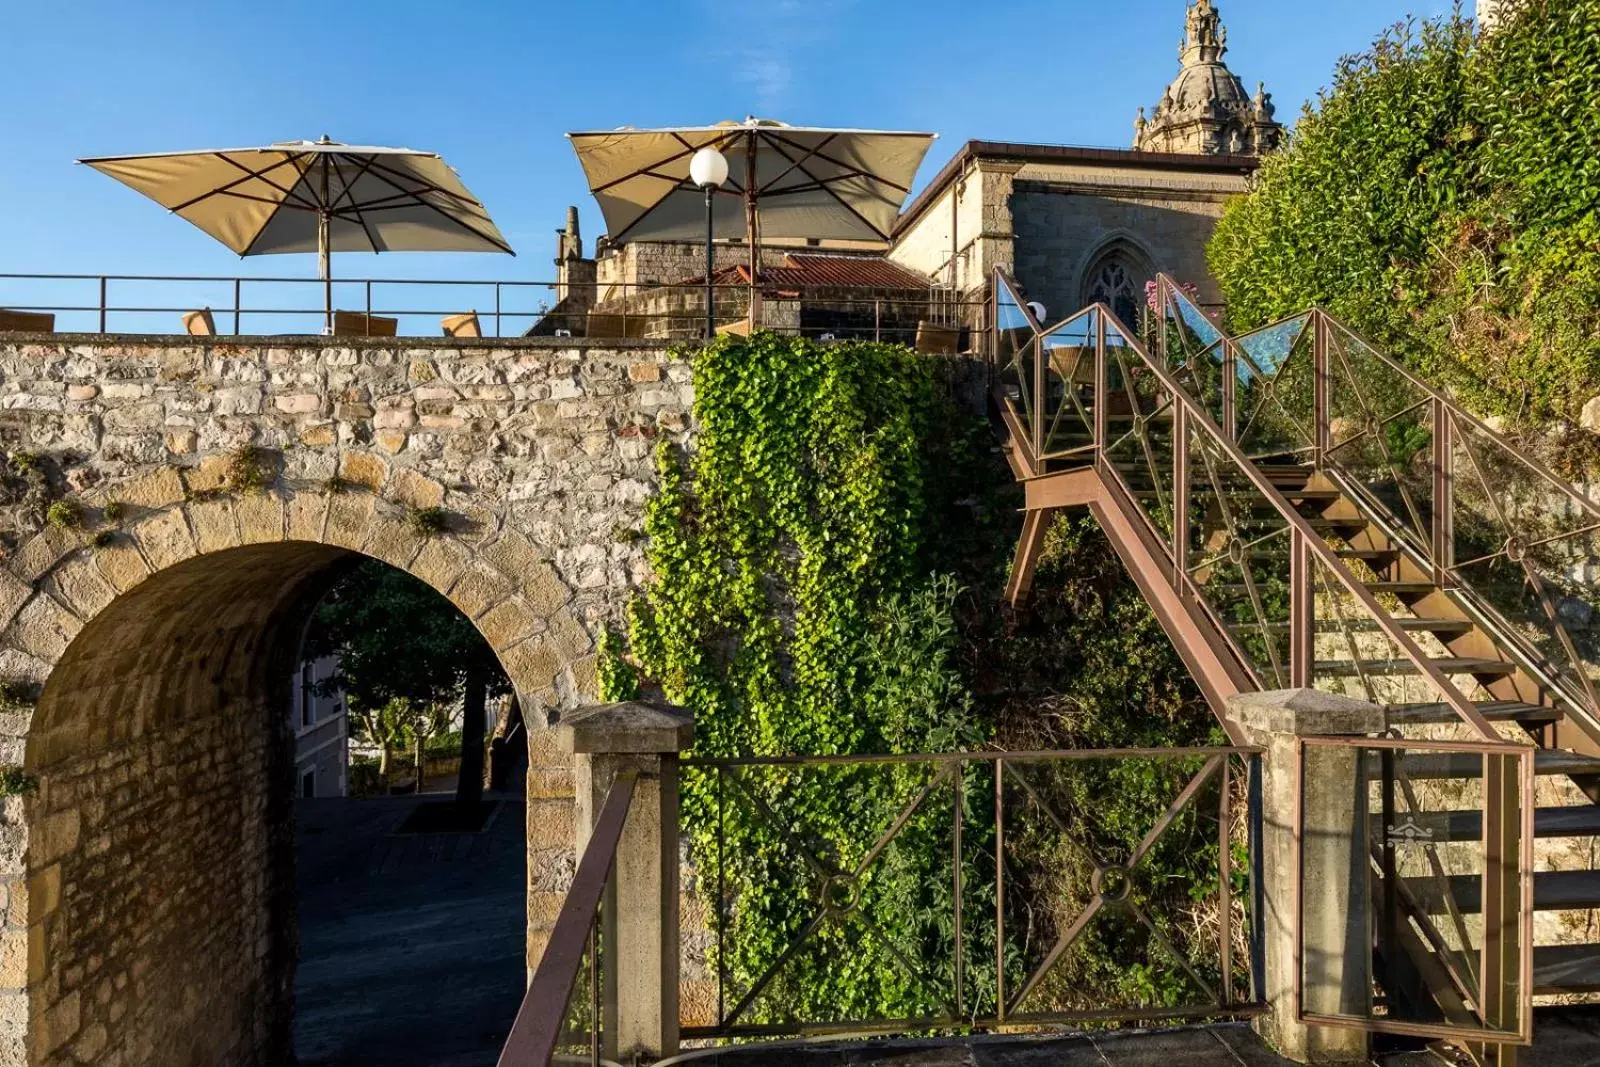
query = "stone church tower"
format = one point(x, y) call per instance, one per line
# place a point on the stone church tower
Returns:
point(1206, 111)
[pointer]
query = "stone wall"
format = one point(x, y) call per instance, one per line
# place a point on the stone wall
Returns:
point(146, 878)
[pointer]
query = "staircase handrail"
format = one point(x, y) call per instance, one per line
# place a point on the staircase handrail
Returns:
point(1574, 686)
point(537, 1029)
point(1309, 540)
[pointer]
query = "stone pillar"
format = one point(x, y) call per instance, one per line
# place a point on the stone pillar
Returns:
point(1337, 944)
point(641, 906)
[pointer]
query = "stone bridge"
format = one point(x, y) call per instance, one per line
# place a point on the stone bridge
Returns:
point(172, 512)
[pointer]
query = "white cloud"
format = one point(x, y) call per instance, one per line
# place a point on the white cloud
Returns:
point(767, 41)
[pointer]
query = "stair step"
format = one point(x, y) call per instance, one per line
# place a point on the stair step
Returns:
point(1401, 588)
point(1346, 668)
point(1566, 969)
point(1578, 821)
point(1366, 553)
point(1433, 626)
point(1552, 891)
point(1494, 711)
point(1421, 766)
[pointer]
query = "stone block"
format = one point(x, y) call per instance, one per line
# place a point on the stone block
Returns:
point(531, 665)
point(84, 589)
point(364, 469)
point(393, 542)
point(348, 517)
point(568, 635)
point(209, 476)
point(165, 538)
point(441, 563)
point(415, 489)
point(1305, 713)
point(307, 513)
point(477, 591)
point(122, 565)
point(508, 622)
point(260, 518)
point(43, 628)
point(157, 489)
point(628, 727)
point(214, 528)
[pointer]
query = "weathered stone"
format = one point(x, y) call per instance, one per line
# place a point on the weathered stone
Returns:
point(156, 489)
point(414, 489)
point(181, 442)
point(364, 469)
point(644, 372)
point(506, 623)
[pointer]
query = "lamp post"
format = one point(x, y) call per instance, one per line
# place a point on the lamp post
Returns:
point(708, 170)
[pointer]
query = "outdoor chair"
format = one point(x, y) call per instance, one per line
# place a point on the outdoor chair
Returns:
point(936, 340)
point(465, 325)
point(200, 323)
point(360, 324)
point(26, 322)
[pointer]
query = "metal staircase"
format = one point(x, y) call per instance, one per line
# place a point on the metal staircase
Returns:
point(1301, 511)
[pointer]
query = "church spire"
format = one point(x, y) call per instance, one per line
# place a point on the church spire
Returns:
point(1205, 38)
point(1206, 110)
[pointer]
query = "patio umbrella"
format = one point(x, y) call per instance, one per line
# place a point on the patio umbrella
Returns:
point(315, 196)
point(785, 181)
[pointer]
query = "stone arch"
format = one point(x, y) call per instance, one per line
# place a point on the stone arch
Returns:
point(145, 877)
point(1114, 272)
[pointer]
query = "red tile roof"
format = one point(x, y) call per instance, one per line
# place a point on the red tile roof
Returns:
point(814, 271)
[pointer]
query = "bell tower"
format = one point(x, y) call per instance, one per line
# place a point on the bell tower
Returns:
point(1206, 110)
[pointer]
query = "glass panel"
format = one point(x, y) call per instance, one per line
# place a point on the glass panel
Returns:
point(1380, 433)
point(1275, 392)
point(1530, 553)
point(1409, 855)
point(1238, 556)
point(1069, 369)
point(1139, 430)
point(1014, 351)
point(1193, 349)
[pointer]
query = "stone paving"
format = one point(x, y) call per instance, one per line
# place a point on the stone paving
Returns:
point(411, 947)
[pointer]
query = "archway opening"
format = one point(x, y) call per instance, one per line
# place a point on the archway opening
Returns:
point(164, 924)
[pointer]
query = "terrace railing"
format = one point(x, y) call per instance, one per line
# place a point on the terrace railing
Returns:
point(155, 304)
point(860, 894)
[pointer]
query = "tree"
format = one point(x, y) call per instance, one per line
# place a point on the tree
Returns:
point(405, 655)
point(1443, 197)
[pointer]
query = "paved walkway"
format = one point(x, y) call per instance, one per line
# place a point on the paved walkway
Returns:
point(410, 947)
point(1568, 1037)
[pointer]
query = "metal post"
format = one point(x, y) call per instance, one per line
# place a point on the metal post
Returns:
point(1443, 491)
point(711, 311)
point(877, 318)
point(238, 286)
point(1320, 402)
point(999, 891)
point(960, 787)
point(368, 330)
point(102, 303)
point(1258, 903)
point(497, 309)
point(1180, 496)
point(1230, 420)
point(1302, 611)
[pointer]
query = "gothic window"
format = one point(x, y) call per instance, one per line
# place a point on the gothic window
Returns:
point(1116, 282)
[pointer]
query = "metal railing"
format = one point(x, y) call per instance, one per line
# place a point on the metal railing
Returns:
point(1512, 542)
point(1395, 834)
point(862, 894)
point(277, 306)
point(1088, 392)
point(563, 1014)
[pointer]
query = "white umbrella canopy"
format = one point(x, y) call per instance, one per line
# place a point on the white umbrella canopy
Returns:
point(783, 181)
point(315, 196)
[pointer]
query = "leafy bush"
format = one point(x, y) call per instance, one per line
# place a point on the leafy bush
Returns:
point(1441, 197)
point(828, 562)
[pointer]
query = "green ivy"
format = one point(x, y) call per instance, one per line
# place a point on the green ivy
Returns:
point(797, 609)
point(1442, 198)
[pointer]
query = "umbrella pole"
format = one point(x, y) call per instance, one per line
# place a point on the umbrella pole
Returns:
point(326, 268)
point(750, 227)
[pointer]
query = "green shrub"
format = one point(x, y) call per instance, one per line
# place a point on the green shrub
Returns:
point(1441, 198)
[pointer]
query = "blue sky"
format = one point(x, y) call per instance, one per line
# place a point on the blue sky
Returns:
point(493, 84)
